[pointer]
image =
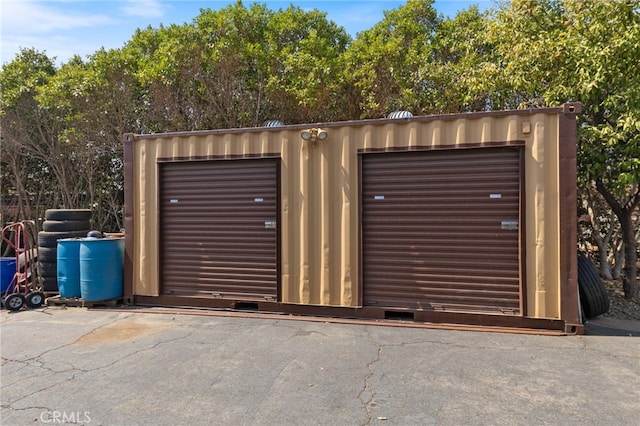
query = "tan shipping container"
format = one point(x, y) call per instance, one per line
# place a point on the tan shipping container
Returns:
point(463, 218)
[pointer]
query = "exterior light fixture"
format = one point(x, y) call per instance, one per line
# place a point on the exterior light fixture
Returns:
point(307, 134)
point(313, 135)
point(321, 134)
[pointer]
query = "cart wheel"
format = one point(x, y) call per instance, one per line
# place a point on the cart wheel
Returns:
point(14, 302)
point(35, 299)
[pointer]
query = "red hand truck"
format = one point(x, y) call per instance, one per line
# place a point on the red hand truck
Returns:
point(25, 288)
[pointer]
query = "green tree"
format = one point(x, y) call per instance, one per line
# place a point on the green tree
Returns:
point(303, 52)
point(28, 136)
point(239, 66)
point(100, 101)
point(62, 134)
point(464, 67)
point(386, 64)
point(553, 51)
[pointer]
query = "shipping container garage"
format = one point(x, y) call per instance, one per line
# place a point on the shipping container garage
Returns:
point(466, 219)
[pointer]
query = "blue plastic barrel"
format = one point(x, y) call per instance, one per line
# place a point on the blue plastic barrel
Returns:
point(68, 253)
point(101, 268)
point(7, 272)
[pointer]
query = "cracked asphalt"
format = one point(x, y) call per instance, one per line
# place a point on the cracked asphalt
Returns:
point(106, 367)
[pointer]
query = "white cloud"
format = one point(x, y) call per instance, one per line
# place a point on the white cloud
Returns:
point(62, 28)
point(144, 8)
point(59, 47)
point(27, 16)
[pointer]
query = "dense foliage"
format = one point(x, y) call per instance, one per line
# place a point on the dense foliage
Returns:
point(62, 126)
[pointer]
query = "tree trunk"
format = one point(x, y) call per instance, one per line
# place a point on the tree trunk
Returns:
point(624, 214)
point(605, 266)
point(629, 277)
point(618, 262)
point(603, 230)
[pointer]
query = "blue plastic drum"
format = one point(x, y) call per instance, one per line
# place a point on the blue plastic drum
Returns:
point(7, 272)
point(68, 253)
point(101, 268)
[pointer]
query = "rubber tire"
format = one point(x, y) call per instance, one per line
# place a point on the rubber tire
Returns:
point(49, 283)
point(47, 254)
point(49, 269)
point(50, 239)
point(593, 295)
point(35, 299)
point(14, 302)
point(67, 214)
point(66, 225)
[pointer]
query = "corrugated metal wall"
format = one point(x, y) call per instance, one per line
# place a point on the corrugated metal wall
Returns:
point(218, 228)
point(320, 201)
point(440, 230)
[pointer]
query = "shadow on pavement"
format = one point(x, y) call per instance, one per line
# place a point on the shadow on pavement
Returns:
point(602, 326)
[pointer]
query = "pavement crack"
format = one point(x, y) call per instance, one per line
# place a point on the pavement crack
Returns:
point(82, 371)
point(44, 389)
point(452, 344)
point(28, 362)
point(367, 395)
point(37, 358)
point(262, 396)
point(90, 332)
point(154, 346)
point(9, 407)
point(37, 361)
point(300, 331)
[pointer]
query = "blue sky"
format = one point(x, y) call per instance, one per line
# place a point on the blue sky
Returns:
point(63, 28)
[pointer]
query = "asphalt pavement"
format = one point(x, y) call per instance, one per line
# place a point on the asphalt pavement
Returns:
point(109, 367)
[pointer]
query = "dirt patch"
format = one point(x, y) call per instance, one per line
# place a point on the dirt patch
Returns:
point(121, 331)
point(619, 306)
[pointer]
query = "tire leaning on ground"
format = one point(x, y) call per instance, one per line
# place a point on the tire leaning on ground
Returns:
point(67, 214)
point(593, 295)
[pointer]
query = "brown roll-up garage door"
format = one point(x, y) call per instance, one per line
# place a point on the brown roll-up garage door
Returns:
point(440, 230)
point(218, 223)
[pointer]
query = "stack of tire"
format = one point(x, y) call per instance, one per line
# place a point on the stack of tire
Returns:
point(593, 295)
point(59, 224)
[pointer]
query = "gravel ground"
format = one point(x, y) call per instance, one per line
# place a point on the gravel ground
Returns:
point(619, 307)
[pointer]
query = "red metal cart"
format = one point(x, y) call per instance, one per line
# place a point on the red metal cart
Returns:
point(25, 287)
